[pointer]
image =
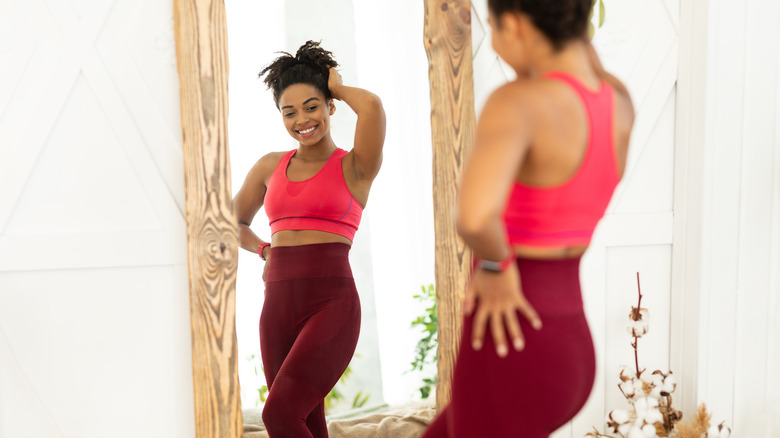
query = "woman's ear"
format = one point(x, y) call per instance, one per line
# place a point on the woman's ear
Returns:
point(527, 31)
point(332, 106)
point(510, 23)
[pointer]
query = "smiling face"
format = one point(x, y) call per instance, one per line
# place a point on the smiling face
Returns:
point(306, 113)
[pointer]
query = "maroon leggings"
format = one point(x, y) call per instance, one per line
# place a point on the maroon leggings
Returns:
point(308, 332)
point(531, 393)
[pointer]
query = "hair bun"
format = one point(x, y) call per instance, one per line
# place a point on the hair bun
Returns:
point(310, 65)
point(560, 20)
point(311, 53)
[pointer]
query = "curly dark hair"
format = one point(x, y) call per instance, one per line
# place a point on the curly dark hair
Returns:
point(560, 20)
point(310, 65)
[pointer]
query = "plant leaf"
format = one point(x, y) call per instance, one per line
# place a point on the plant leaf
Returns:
point(602, 13)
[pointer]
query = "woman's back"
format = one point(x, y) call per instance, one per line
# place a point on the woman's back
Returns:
point(574, 160)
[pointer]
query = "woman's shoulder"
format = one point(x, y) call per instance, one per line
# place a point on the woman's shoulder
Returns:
point(265, 166)
point(272, 157)
point(516, 88)
point(518, 98)
point(521, 92)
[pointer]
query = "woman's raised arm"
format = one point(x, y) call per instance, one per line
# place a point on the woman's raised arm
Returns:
point(370, 129)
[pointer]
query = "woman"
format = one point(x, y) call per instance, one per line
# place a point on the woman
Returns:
point(314, 197)
point(550, 148)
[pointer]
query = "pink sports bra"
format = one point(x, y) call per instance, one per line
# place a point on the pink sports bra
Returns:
point(322, 202)
point(566, 214)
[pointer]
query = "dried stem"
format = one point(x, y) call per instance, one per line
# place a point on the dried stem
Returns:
point(639, 289)
point(636, 316)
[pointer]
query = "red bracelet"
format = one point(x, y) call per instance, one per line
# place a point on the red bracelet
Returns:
point(260, 249)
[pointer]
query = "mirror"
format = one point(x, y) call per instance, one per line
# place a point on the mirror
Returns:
point(379, 49)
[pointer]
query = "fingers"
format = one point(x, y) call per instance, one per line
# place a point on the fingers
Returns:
point(478, 329)
point(497, 330)
point(530, 314)
point(501, 323)
point(334, 77)
point(513, 327)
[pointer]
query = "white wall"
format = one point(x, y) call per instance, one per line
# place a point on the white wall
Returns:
point(94, 301)
point(739, 328)
point(392, 63)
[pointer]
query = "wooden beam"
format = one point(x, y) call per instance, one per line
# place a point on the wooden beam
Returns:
point(212, 232)
point(448, 45)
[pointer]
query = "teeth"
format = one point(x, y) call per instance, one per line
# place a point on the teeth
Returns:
point(306, 131)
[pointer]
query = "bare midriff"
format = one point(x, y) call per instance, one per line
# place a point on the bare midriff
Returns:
point(306, 237)
point(535, 252)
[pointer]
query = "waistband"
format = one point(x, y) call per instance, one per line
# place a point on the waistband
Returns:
point(317, 260)
point(552, 286)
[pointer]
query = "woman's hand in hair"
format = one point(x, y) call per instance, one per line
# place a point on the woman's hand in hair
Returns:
point(334, 82)
point(365, 158)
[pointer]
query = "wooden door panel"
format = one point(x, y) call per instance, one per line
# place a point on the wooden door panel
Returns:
point(94, 305)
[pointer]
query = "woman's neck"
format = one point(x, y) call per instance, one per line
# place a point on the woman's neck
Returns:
point(318, 151)
point(573, 59)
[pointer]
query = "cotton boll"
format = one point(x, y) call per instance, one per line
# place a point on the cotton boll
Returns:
point(635, 432)
point(637, 328)
point(619, 416)
point(655, 381)
point(634, 330)
point(639, 387)
point(649, 431)
point(626, 374)
point(713, 432)
point(655, 392)
point(654, 416)
point(624, 429)
point(628, 389)
point(647, 410)
point(667, 388)
point(643, 315)
point(719, 431)
point(641, 407)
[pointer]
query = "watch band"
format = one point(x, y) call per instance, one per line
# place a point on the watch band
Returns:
point(494, 266)
point(260, 249)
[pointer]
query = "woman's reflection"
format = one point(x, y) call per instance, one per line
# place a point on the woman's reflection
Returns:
point(314, 198)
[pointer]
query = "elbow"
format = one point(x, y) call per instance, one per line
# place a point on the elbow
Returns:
point(375, 101)
point(470, 226)
point(374, 104)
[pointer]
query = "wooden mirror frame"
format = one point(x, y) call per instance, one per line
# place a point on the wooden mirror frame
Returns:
point(212, 230)
point(453, 124)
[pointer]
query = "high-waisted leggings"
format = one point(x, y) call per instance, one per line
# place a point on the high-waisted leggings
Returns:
point(530, 393)
point(309, 328)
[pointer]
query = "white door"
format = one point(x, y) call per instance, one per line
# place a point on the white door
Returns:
point(94, 303)
point(639, 44)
